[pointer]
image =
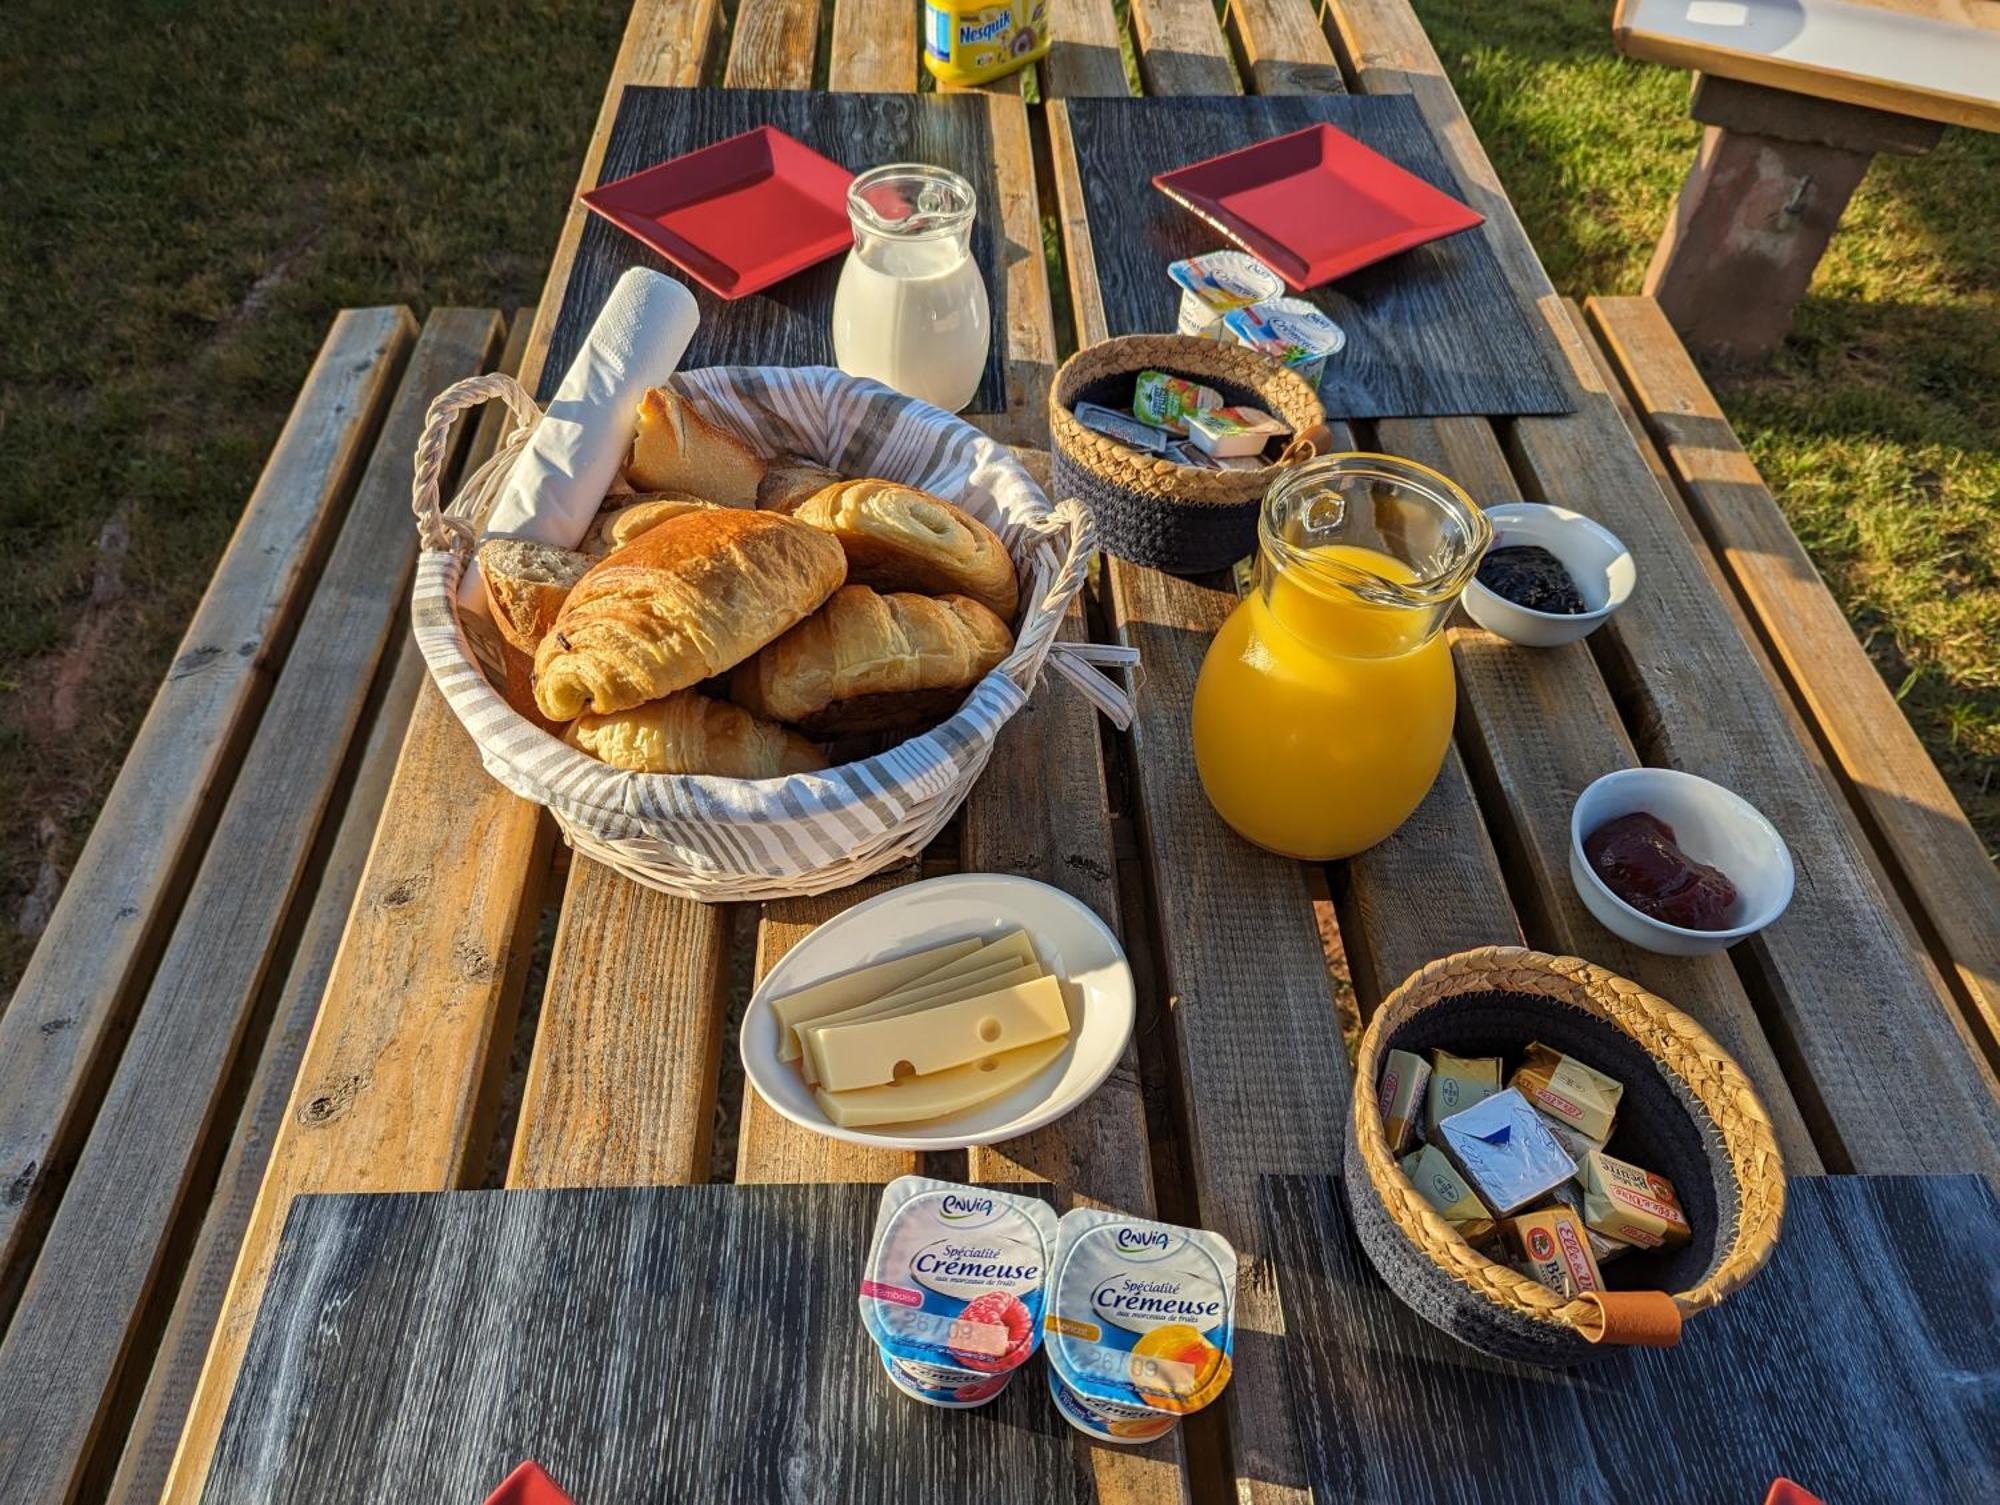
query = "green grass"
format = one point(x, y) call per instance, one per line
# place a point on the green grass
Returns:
point(192, 189)
point(1878, 425)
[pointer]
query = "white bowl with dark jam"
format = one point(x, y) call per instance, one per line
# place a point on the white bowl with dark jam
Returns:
point(1674, 863)
point(1550, 576)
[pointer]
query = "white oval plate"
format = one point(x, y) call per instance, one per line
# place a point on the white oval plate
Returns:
point(1068, 936)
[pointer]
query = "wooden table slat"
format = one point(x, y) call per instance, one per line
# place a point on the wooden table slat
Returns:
point(1285, 50)
point(1084, 56)
point(1182, 49)
point(771, 44)
point(874, 46)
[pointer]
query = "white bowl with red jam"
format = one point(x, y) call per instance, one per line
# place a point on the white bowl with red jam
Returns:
point(1674, 863)
point(1550, 576)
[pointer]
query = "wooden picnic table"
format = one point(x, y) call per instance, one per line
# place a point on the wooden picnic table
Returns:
point(1839, 1013)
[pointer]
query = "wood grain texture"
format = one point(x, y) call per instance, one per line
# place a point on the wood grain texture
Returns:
point(60, 1033)
point(621, 1086)
point(1084, 56)
point(874, 46)
point(1891, 1280)
point(1539, 726)
point(1435, 330)
point(771, 45)
point(579, 1328)
point(770, 1147)
point(1024, 322)
point(154, 1136)
point(1182, 51)
point(1931, 847)
point(1281, 43)
point(791, 323)
point(1850, 994)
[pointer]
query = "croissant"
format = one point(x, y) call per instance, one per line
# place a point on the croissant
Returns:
point(867, 662)
point(689, 733)
point(683, 601)
point(900, 538)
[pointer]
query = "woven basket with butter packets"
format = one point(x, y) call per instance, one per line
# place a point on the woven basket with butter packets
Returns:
point(1615, 1177)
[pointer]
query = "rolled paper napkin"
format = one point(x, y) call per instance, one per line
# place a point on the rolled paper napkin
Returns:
point(574, 455)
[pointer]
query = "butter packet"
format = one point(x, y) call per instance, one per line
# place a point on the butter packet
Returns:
point(1223, 432)
point(1123, 427)
point(1291, 331)
point(1401, 1093)
point(1603, 1247)
point(1624, 1202)
point(1566, 1089)
point(1550, 1247)
point(1505, 1152)
point(1213, 284)
point(1457, 1082)
point(1183, 453)
point(1575, 1143)
point(1439, 1184)
point(1164, 400)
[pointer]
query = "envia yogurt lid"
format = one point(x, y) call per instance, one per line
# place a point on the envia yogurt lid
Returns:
point(1141, 1313)
point(1290, 329)
point(956, 1274)
point(1226, 279)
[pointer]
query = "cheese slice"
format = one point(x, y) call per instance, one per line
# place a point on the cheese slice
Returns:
point(990, 980)
point(1012, 947)
point(932, 1039)
point(859, 986)
point(952, 1090)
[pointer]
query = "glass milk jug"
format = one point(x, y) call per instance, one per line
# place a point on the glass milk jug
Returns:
point(911, 309)
point(1324, 705)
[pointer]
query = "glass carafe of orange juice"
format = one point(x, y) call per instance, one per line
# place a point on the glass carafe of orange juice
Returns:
point(1325, 703)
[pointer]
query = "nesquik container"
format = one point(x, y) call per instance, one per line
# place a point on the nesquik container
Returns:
point(953, 1290)
point(1141, 1322)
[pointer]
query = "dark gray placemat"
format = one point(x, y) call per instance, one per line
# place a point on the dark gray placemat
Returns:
point(1863, 1362)
point(669, 1343)
point(791, 322)
point(1430, 332)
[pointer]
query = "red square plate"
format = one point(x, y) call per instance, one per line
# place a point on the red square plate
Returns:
point(739, 215)
point(528, 1485)
point(1316, 204)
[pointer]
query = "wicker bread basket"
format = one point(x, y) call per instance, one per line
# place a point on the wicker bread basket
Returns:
point(717, 839)
point(1688, 1113)
point(1149, 509)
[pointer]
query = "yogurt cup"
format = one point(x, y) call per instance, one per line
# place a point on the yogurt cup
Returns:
point(1214, 283)
point(953, 1289)
point(1141, 1321)
point(1291, 331)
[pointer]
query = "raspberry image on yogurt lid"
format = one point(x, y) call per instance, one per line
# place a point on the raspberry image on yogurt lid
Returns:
point(956, 1276)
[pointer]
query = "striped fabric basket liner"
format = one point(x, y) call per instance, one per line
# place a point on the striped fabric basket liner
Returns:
point(717, 839)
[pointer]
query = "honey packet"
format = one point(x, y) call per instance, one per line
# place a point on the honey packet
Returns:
point(1457, 1082)
point(1569, 1091)
point(1550, 1247)
point(1505, 1152)
point(1624, 1202)
point(1401, 1093)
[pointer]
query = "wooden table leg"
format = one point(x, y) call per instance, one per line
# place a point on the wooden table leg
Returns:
point(1773, 173)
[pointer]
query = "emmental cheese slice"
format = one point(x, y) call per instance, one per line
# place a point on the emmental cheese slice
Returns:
point(934, 1039)
point(1012, 947)
point(988, 980)
point(860, 986)
point(950, 1091)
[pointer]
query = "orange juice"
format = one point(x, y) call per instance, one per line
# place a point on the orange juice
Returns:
point(1321, 718)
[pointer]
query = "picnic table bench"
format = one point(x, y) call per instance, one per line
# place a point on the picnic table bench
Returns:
point(1798, 97)
point(161, 1137)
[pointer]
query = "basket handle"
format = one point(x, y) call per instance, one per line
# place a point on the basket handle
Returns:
point(436, 526)
point(1070, 528)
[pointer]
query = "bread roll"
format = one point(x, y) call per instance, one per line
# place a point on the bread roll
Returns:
point(617, 526)
point(900, 538)
point(676, 449)
point(869, 662)
point(682, 601)
point(689, 733)
point(526, 585)
point(790, 481)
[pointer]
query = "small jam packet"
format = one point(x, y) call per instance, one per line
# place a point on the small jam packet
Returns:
point(1457, 1082)
point(1550, 1247)
point(1223, 432)
point(1566, 1089)
point(1165, 400)
point(1213, 284)
point(1505, 1152)
point(1635, 1206)
point(1401, 1094)
point(1291, 331)
point(1123, 427)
